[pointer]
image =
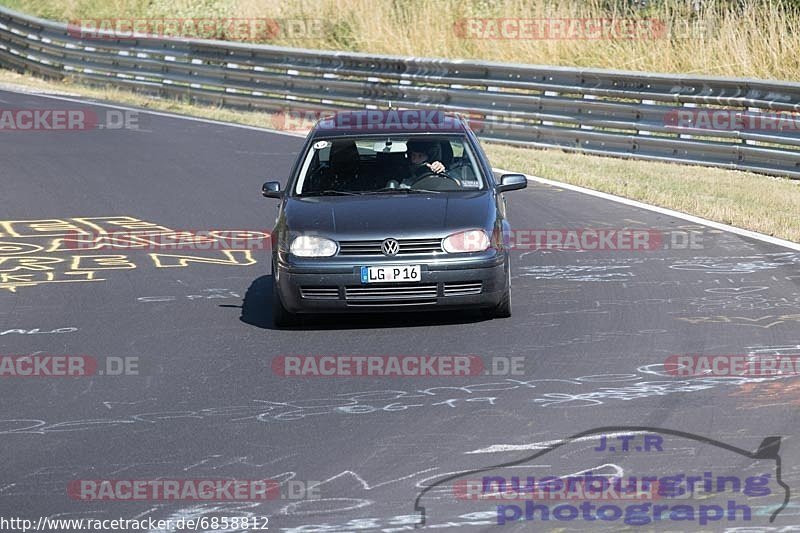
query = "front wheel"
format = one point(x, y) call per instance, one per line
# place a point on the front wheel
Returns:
point(503, 309)
point(280, 316)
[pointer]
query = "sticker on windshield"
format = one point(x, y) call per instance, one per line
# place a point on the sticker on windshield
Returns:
point(320, 145)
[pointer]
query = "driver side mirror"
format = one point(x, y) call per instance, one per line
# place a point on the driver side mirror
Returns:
point(512, 182)
point(271, 189)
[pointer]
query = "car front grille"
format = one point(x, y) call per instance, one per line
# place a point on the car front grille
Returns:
point(393, 295)
point(462, 288)
point(407, 247)
point(319, 293)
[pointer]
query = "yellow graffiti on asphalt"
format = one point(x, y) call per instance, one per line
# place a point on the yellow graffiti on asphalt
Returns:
point(171, 260)
point(74, 226)
point(32, 252)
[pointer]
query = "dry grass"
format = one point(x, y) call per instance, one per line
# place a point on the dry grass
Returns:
point(757, 40)
point(751, 201)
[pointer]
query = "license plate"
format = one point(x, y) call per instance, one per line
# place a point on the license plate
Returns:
point(383, 274)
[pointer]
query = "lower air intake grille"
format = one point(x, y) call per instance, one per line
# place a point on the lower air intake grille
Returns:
point(319, 293)
point(462, 288)
point(393, 295)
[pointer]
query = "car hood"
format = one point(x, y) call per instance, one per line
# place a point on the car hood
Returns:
point(382, 216)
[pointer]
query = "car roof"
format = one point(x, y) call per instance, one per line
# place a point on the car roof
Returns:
point(391, 121)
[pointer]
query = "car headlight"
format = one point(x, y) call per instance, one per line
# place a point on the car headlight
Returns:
point(308, 246)
point(474, 240)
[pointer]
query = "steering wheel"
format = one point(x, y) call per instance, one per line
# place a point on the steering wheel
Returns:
point(431, 180)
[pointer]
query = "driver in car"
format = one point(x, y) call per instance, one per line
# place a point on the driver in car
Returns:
point(424, 161)
point(423, 158)
point(423, 164)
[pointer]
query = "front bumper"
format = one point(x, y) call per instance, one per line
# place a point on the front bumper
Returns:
point(334, 286)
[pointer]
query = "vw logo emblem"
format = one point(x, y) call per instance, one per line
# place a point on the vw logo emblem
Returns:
point(390, 247)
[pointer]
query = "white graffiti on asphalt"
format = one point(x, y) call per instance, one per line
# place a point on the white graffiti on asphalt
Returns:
point(634, 387)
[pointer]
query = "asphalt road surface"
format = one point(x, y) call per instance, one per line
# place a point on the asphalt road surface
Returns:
point(199, 400)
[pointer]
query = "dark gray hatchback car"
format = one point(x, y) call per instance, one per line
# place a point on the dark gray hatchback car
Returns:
point(391, 210)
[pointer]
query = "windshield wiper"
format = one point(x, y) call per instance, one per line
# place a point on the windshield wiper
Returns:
point(400, 189)
point(423, 190)
point(331, 192)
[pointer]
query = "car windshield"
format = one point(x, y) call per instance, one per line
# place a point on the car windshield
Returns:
point(388, 165)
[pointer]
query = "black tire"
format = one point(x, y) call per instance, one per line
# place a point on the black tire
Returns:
point(280, 316)
point(502, 309)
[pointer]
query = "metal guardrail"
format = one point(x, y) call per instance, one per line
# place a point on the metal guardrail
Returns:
point(612, 113)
